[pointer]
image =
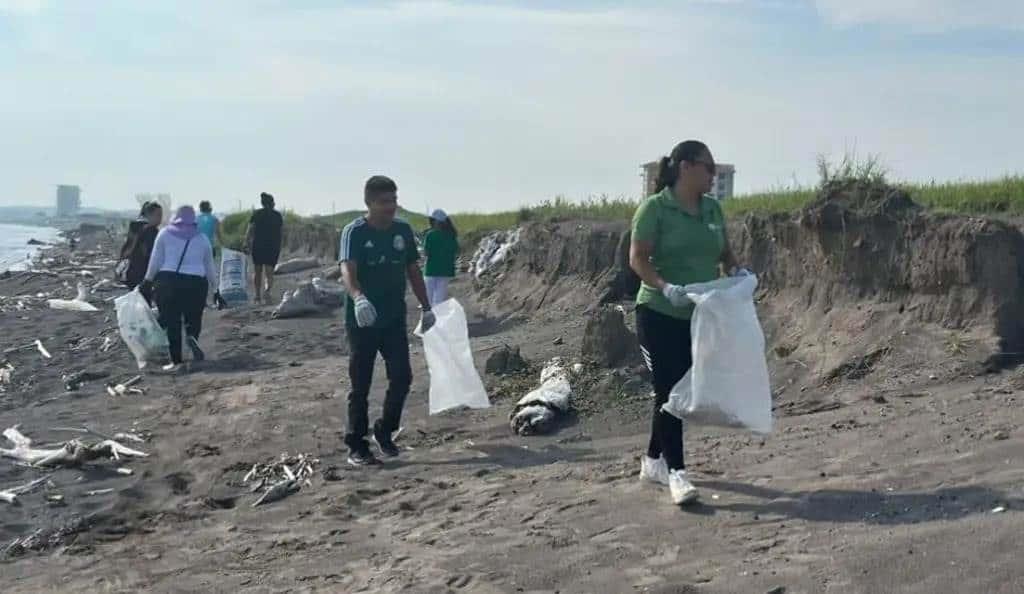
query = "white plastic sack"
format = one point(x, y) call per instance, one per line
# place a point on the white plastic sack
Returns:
point(233, 275)
point(538, 410)
point(454, 381)
point(140, 329)
point(296, 265)
point(79, 303)
point(728, 382)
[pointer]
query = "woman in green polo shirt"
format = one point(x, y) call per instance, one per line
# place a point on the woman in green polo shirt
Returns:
point(441, 247)
point(678, 238)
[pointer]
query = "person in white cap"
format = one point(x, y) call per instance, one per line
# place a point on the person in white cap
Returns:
point(441, 248)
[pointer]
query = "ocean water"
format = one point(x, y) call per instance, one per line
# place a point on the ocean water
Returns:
point(15, 253)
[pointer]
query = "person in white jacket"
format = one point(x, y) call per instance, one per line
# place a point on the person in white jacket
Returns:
point(181, 272)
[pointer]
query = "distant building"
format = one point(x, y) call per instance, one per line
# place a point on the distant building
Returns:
point(69, 200)
point(722, 188)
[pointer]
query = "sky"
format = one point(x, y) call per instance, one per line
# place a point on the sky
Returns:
point(492, 105)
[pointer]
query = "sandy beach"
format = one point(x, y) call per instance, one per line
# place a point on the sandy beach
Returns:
point(908, 488)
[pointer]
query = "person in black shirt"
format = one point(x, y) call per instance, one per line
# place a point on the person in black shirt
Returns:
point(139, 244)
point(263, 239)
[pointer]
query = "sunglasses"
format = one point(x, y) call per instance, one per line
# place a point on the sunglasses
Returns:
point(708, 166)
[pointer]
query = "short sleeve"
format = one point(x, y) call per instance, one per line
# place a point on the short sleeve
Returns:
point(349, 247)
point(412, 254)
point(645, 221)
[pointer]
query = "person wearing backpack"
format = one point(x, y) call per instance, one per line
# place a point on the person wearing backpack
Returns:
point(441, 247)
point(138, 245)
point(678, 238)
point(181, 272)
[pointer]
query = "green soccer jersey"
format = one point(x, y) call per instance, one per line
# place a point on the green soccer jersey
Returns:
point(440, 248)
point(687, 248)
point(382, 258)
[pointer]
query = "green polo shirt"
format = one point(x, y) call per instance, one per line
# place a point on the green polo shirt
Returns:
point(440, 248)
point(382, 258)
point(687, 248)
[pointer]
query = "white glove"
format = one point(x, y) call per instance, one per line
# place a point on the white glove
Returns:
point(737, 271)
point(676, 295)
point(427, 321)
point(366, 314)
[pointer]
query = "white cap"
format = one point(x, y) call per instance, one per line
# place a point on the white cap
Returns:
point(439, 215)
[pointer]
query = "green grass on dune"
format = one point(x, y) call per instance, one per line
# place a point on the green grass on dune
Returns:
point(1003, 196)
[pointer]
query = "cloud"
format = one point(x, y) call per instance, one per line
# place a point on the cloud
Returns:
point(21, 7)
point(931, 16)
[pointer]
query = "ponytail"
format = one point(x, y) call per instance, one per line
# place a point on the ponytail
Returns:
point(667, 174)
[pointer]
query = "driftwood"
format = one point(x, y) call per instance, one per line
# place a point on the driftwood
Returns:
point(42, 350)
point(278, 491)
point(11, 495)
point(72, 453)
point(290, 472)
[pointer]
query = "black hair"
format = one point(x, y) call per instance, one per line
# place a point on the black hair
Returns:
point(266, 200)
point(378, 184)
point(449, 226)
point(148, 207)
point(668, 168)
point(204, 206)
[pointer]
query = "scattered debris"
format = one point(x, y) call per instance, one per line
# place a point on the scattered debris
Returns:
point(536, 411)
point(6, 373)
point(11, 495)
point(42, 350)
point(72, 453)
point(73, 381)
point(296, 265)
point(310, 297)
point(79, 303)
point(301, 466)
point(278, 492)
point(125, 387)
point(493, 249)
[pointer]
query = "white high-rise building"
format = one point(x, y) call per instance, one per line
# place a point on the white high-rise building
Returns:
point(722, 188)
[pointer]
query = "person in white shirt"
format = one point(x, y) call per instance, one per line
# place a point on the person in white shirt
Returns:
point(181, 272)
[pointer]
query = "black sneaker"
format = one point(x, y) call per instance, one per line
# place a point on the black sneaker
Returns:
point(387, 447)
point(361, 457)
point(197, 352)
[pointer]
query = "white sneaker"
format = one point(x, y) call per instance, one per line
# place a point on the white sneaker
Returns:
point(653, 470)
point(682, 491)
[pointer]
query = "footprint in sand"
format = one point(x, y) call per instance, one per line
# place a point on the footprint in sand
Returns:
point(459, 581)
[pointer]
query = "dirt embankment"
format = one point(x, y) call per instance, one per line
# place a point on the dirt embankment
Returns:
point(870, 249)
point(309, 239)
point(563, 265)
point(862, 281)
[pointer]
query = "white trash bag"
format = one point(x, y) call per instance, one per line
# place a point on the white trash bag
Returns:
point(233, 277)
point(454, 381)
point(140, 329)
point(728, 383)
point(79, 303)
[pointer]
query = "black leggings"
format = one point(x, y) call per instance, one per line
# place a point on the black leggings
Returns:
point(180, 296)
point(665, 344)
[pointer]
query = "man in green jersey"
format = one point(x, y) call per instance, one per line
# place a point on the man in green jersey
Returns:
point(378, 257)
